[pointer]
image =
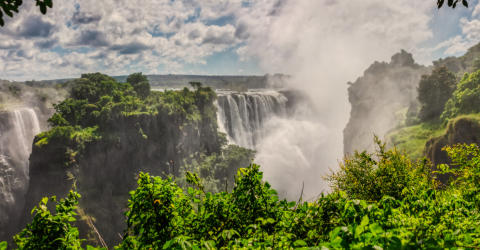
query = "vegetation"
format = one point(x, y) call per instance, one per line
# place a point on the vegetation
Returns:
point(451, 3)
point(412, 139)
point(99, 102)
point(393, 206)
point(465, 99)
point(10, 6)
point(216, 170)
point(434, 91)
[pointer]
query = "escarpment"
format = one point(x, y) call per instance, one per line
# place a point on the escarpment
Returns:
point(99, 147)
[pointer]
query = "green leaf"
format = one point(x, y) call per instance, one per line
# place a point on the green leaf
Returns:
point(3, 245)
point(43, 8)
point(53, 198)
point(291, 204)
point(168, 244)
point(190, 191)
point(270, 220)
point(44, 200)
point(335, 233)
point(90, 247)
point(48, 3)
point(364, 221)
point(72, 219)
point(465, 3)
point(376, 229)
point(300, 243)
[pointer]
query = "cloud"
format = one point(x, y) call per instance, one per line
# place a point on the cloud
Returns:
point(9, 45)
point(219, 35)
point(471, 29)
point(34, 26)
point(91, 38)
point(85, 18)
point(131, 48)
point(45, 44)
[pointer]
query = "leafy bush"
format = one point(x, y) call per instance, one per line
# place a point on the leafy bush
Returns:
point(466, 99)
point(49, 231)
point(385, 173)
point(161, 215)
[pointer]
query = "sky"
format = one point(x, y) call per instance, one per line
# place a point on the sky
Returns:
point(226, 37)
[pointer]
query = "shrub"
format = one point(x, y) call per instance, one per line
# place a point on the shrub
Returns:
point(466, 99)
point(384, 173)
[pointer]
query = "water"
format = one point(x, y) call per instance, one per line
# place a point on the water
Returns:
point(242, 115)
point(17, 131)
point(286, 133)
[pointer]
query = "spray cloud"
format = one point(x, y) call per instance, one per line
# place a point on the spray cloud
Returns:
point(323, 45)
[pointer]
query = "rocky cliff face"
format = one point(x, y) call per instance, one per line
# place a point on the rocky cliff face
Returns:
point(108, 167)
point(377, 96)
point(462, 130)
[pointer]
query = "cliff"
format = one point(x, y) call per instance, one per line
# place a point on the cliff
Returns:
point(377, 97)
point(463, 130)
point(105, 158)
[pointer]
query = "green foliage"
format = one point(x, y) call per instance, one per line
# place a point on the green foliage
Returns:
point(434, 91)
point(466, 99)
point(142, 89)
point(412, 113)
point(136, 78)
point(196, 85)
point(451, 3)
point(10, 6)
point(385, 173)
point(217, 170)
point(419, 215)
point(413, 139)
point(49, 231)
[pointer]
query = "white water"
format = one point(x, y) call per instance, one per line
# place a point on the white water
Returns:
point(242, 115)
point(17, 131)
point(290, 148)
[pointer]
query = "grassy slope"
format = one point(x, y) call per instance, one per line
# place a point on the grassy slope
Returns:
point(412, 139)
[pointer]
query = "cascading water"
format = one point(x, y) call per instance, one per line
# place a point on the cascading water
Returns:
point(242, 115)
point(17, 131)
point(286, 133)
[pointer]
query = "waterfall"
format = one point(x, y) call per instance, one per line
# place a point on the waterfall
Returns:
point(241, 115)
point(17, 131)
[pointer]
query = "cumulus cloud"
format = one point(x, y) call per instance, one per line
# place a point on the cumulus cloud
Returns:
point(80, 18)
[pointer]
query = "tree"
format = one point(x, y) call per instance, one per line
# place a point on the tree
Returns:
point(142, 89)
point(136, 78)
point(10, 6)
point(196, 85)
point(466, 99)
point(434, 91)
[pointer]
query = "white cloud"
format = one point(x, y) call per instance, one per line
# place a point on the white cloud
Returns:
point(116, 34)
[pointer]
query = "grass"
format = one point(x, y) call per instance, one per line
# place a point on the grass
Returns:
point(412, 139)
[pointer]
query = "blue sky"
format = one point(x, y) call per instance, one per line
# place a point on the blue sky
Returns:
point(227, 37)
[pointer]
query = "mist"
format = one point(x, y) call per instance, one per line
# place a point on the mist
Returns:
point(323, 45)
